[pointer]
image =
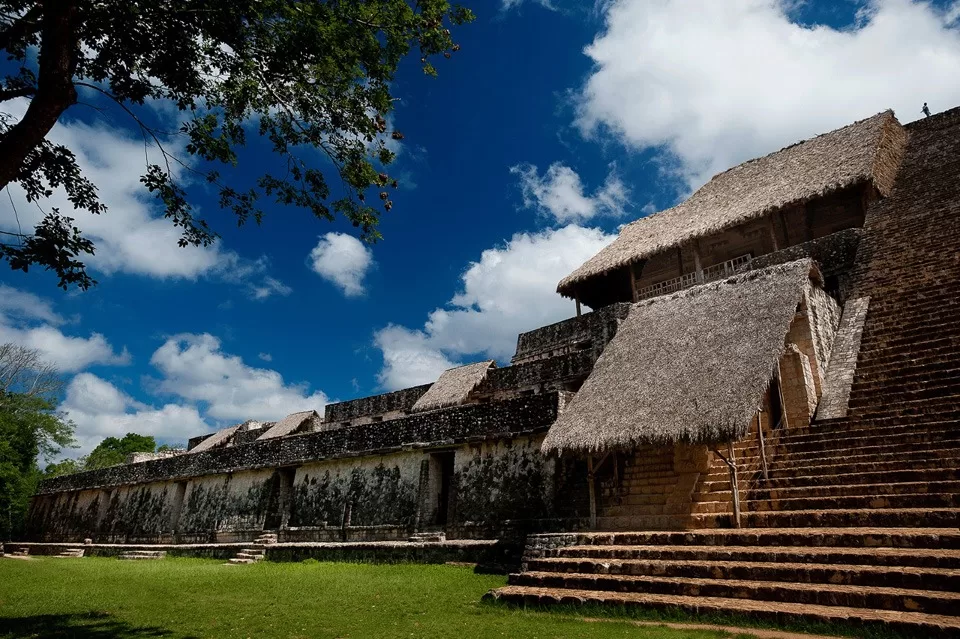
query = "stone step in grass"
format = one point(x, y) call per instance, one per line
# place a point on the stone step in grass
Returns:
point(945, 579)
point(876, 556)
point(933, 626)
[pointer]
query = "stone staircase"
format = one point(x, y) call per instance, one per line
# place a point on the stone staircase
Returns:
point(256, 551)
point(71, 553)
point(142, 555)
point(858, 520)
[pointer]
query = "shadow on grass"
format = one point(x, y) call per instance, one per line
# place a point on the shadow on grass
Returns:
point(91, 625)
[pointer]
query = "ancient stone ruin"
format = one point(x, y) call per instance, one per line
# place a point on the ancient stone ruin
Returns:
point(759, 416)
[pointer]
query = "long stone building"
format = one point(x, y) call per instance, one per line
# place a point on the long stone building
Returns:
point(758, 416)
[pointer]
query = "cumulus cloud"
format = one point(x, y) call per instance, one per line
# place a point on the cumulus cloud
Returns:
point(29, 320)
point(194, 368)
point(99, 409)
point(559, 193)
point(510, 289)
point(132, 236)
point(267, 357)
point(716, 83)
point(342, 260)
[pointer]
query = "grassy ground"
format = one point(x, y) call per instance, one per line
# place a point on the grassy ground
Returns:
point(97, 598)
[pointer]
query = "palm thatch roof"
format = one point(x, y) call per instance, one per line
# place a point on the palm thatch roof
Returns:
point(690, 367)
point(454, 386)
point(866, 151)
point(291, 424)
point(219, 438)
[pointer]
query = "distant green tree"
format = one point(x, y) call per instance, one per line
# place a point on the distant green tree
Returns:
point(64, 467)
point(30, 428)
point(112, 451)
point(311, 78)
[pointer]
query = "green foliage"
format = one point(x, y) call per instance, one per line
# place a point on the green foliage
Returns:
point(112, 451)
point(29, 427)
point(311, 78)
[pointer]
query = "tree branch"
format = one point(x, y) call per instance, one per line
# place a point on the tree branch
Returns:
point(26, 24)
point(22, 92)
point(55, 90)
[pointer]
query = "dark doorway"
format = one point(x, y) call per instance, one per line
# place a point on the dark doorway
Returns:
point(279, 501)
point(443, 462)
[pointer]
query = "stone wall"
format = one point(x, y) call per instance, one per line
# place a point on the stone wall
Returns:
point(590, 332)
point(449, 426)
point(393, 404)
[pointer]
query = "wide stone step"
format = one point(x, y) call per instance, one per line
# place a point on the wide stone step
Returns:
point(888, 397)
point(795, 453)
point(869, 517)
point(888, 464)
point(947, 408)
point(935, 579)
point(830, 484)
point(828, 444)
point(895, 557)
point(817, 594)
point(846, 425)
point(931, 625)
point(850, 502)
point(914, 379)
point(822, 537)
point(762, 492)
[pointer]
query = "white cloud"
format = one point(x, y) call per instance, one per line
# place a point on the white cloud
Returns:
point(267, 357)
point(511, 289)
point(132, 236)
point(560, 193)
point(507, 5)
point(342, 260)
point(99, 409)
point(195, 368)
point(409, 358)
point(23, 305)
point(29, 320)
point(268, 287)
point(716, 83)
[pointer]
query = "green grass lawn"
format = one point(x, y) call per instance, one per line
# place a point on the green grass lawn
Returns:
point(96, 598)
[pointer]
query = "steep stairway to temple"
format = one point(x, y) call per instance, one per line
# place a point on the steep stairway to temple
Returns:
point(857, 519)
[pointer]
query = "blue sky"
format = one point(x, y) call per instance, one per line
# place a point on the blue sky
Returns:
point(555, 123)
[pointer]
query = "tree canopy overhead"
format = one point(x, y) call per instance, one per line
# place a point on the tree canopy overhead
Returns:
point(302, 74)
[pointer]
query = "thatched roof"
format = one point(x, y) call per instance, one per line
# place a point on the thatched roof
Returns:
point(690, 367)
point(219, 438)
point(866, 151)
point(290, 424)
point(454, 386)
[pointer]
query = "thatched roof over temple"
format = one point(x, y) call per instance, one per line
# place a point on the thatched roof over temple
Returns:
point(868, 151)
point(690, 367)
point(454, 386)
point(290, 424)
